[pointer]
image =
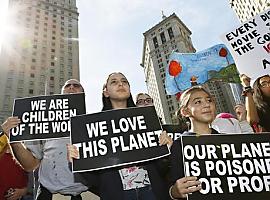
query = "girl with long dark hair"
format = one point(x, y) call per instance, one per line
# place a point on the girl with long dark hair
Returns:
point(136, 182)
point(258, 101)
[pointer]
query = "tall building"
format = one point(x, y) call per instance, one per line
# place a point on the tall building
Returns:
point(226, 95)
point(42, 51)
point(171, 34)
point(246, 9)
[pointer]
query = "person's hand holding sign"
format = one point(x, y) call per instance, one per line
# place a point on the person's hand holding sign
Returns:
point(72, 152)
point(184, 186)
point(10, 123)
point(165, 139)
point(245, 80)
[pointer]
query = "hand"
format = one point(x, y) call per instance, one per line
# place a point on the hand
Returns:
point(184, 186)
point(245, 80)
point(10, 123)
point(16, 194)
point(165, 139)
point(241, 116)
point(72, 152)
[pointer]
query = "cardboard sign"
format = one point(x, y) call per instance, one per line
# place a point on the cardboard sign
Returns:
point(116, 138)
point(250, 45)
point(229, 166)
point(215, 62)
point(46, 117)
point(174, 131)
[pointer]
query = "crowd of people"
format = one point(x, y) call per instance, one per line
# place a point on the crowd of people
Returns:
point(145, 181)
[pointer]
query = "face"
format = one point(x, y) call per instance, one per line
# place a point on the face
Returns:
point(117, 87)
point(200, 108)
point(265, 85)
point(144, 100)
point(72, 86)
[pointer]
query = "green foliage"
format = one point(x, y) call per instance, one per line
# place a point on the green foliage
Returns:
point(227, 74)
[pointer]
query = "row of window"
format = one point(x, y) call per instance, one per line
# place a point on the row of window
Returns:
point(162, 37)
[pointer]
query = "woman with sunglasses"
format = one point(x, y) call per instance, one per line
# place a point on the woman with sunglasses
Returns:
point(141, 182)
point(257, 101)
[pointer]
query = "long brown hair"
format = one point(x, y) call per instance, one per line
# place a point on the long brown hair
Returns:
point(261, 101)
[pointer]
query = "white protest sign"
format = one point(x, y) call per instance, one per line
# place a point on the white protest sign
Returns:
point(249, 45)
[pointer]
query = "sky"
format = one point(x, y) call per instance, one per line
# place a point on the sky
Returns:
point(111, 36)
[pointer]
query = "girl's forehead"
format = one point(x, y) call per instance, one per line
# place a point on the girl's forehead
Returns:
point(72, 81)
point(116, 76)
point(197, 94)
point(265, 78)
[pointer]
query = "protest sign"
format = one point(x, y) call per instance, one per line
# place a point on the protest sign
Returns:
point(213, 63)
point(174, 131)
point(116, 138)
point(229, 165)
point(250, 45)
point(46, 117)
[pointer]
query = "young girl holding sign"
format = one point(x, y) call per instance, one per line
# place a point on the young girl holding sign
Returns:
point(133, 182)
point(198, 105)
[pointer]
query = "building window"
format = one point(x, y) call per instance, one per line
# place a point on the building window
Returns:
point(162, 36)
point(31, 91)
point(32, 75)
point(155, 42)
point(170, 31)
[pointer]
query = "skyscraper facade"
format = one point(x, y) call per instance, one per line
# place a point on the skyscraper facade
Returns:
point(41, 50)
point(171, 34)
point(246, 9)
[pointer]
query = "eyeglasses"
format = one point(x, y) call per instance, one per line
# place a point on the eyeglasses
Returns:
point(76, 85)
point(265, 84)
point(143, 101)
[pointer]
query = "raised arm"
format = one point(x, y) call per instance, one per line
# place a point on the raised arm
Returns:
point(252, 115)
point(21, 153)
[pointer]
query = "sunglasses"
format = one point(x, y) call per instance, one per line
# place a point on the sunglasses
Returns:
point(76, 85)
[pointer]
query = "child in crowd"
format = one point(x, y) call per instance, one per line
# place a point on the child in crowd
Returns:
point(198, 105)
point(134, 182)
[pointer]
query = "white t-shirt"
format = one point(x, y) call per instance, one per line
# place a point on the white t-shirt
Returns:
point(134, 177)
